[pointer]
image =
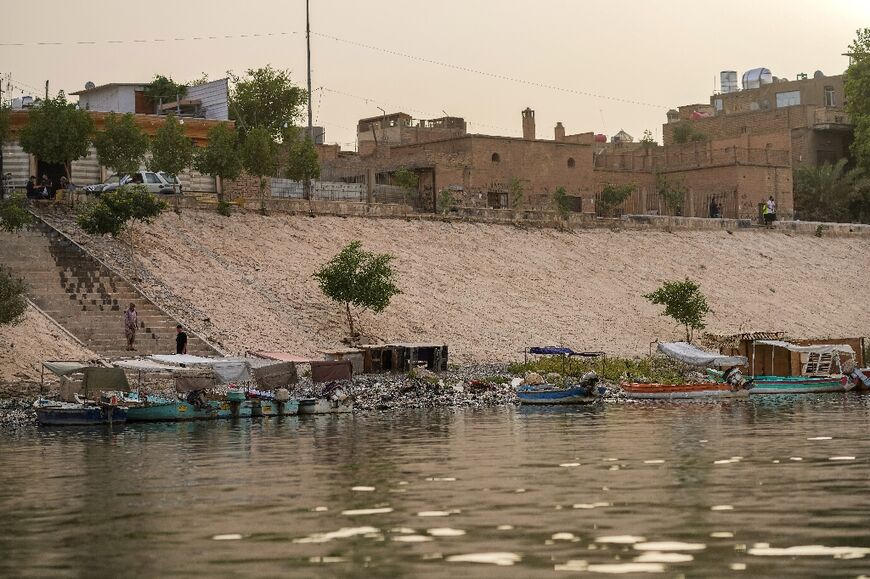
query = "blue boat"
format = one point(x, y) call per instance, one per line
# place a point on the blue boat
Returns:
point(270, 407)
point(550, 394)
point(88, 395)
point(158, 409)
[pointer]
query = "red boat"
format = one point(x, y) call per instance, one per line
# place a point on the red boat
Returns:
point(681, 391)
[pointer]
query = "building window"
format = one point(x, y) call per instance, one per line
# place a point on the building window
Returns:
point(788, 99)
point(495, 158)
point(718, 105)
point(571, 162)
point(829, 97)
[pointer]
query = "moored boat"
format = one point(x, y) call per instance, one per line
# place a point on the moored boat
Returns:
point(641, 391)
point(88, 395)
point(550, 394)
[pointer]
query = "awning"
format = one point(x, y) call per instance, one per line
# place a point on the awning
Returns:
point(152, 366)
point(818, 349)
point(99, 379)
point(283, 357)
point(228, 370)
point(695, 356)
point(65, 368)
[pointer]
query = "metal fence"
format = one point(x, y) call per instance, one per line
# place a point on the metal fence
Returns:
point(320, 190)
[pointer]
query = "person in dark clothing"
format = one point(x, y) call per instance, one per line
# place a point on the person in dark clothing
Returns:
point(714, 208)
point(180, 340)
point(31, 188)
point(47, 187)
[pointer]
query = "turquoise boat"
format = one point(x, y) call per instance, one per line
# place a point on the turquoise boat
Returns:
point(159, 409)
point(800, 384)
point(266, 408)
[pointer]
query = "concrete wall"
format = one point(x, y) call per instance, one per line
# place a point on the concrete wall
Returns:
point(117, 99)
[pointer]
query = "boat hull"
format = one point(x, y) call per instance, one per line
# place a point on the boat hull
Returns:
point(800, 385)
point(165, 410)
point(680, 391)
point(573, 395)
point(81, 416)
point(270, 408)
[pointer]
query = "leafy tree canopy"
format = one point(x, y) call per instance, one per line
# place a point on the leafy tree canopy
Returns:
point(116, 210)
point(302, 161)
point(13, 300)
point(57, 132)
point(358, 278)
point(5, 122)
point(683, 302)
point(857, 86)
point(220, 157)
point(831, 193)
point(265, 97)
point(13, 213)
point(673, 193)
point(612, 196)
point(122, 145)
point(562, 203)
point(171, 151)
point(163, 88)
point(259, 153)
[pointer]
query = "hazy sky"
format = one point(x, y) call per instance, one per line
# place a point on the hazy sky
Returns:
point(660, 53)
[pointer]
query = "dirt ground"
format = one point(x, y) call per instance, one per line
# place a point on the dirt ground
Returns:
point(488, 291)
point(25, 346)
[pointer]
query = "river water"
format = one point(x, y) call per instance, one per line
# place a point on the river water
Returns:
point(695, 489)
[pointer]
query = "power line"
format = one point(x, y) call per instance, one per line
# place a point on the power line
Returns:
point(488, 74)
point(146, 40)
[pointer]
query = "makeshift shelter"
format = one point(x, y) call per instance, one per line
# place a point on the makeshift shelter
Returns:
point(402, 357)
point(758, 348)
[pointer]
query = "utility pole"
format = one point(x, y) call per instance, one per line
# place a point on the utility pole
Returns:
point(46, 90)
point(2, 175)
point(306, 187)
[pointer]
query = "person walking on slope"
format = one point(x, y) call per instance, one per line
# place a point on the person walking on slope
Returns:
point(180, 340)
point(131, 324)
point(770, 212)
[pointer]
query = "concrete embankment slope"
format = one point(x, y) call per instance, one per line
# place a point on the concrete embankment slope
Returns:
point(246, 282)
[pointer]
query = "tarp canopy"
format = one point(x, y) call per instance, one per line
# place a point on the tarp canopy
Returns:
point(282, 357)
point(559, 350)
point(65, 368)
point(99, 379)
point(280, 375)
point(818, 349)
point(228, 370)
point(695, 356)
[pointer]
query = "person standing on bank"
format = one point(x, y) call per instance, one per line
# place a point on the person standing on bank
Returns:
point(770, 214)
point(180, 340)
point(131, 324)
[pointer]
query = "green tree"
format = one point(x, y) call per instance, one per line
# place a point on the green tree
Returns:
point(515, 187)
point(831, 193)
point(684, 132)
point(683, 302)
point(612, 196)
point(57, 132)
point(13, 213)
point(5, 129)
point(562, 203)
point(266, 98)
point(302, 161)
point(260, 159)
point(122, 145)
point(165, 90)
point(407, 180)
point(13, 299)
point(445, 201)
point(648, 140)
point(672, 193)
point(220, 157)
point(119, 211)
point(358, 278)
point(857, 87)
point(171, 151)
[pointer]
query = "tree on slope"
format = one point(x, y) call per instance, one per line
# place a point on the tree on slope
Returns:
point(358, 278)
point(57, 132)
point(220, 157)
point(13, 213)
point(683, 302)
point(119, 211)
point(13, 302)
point(260, 159)
point(265, 97)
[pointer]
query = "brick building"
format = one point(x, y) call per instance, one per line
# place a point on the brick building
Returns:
point(523, 173)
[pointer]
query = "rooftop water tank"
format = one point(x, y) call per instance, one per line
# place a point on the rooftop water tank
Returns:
point(756, 77)
point(599, 138)
point(728, 81)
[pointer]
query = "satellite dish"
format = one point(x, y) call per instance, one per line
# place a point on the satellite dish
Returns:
point(90, 86)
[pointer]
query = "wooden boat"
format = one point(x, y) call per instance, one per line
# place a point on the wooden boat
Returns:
point(88, 395)
point(795, 384)
point(159, 409)
point(269, 406)
point(861, 377)
point(550, 394)
point(640, 391)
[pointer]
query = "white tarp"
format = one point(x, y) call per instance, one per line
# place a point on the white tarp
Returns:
point(151, 366)
point(228, 370)
point(65, 368)
point(818, 349)
point(689, 354)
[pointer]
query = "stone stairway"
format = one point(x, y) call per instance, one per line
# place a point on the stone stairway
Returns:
point(85, 297)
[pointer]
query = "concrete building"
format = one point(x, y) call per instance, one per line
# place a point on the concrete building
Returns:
point(207, 101)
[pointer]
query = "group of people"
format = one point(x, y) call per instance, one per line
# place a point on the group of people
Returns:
point(44, 188)
point(131, 326)
point(768, 211)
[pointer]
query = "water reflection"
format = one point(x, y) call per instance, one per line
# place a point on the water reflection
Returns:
point(691, 488)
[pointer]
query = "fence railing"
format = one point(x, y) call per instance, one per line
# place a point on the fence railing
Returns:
point(321, 190)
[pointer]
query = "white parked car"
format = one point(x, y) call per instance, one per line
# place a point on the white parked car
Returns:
point(153, 182)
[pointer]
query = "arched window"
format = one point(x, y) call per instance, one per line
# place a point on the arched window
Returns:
point(571, 162)
point(495, 158)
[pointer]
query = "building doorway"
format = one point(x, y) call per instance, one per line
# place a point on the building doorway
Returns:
point(54, 171)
